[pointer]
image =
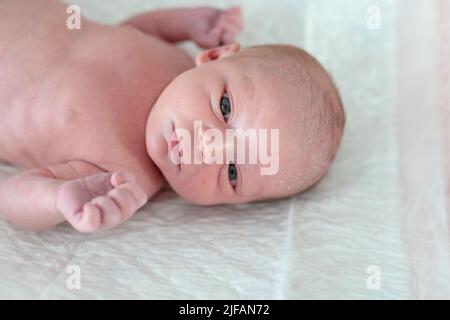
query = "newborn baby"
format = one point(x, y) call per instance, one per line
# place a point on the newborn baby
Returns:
point(100, 116)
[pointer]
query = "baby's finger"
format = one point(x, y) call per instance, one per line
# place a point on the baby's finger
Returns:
point(125, 201)
point(139, 196)
point(227, 26)
point(210, 39)
point(111, 213)
point(228, 38)
point(119, 178)
point(235, 18)
point(90, 219)
point(234, 10)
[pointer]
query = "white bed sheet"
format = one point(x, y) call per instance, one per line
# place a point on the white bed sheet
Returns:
point(382, 207)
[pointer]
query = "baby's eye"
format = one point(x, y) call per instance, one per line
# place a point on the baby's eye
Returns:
point(232, 174)
point(225, 107)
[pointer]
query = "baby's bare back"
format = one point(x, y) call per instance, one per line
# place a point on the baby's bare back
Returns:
point(78, 94)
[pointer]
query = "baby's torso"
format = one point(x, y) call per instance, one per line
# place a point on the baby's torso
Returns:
point(79, 94)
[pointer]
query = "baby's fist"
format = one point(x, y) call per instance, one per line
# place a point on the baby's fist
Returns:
point(212, 27)
point(100, 201)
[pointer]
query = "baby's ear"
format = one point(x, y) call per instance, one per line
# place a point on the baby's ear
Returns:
point(217, 53)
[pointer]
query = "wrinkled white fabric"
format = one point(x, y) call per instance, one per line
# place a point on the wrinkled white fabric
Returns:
point(380, 214)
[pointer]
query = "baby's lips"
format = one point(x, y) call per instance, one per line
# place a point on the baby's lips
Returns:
point(176, 147)
point(173, 141)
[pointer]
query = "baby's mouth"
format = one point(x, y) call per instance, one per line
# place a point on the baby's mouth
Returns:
point(175, 147)
point(173, 143)
point(174, 139)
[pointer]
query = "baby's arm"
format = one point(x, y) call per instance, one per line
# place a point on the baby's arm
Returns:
point(28, 200)
point(206, 26)
point(86, 196)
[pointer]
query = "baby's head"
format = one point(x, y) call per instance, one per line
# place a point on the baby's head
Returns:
point(279, 88)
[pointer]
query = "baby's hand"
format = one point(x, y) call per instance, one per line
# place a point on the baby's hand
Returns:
point(100, 201)
point(213, 27)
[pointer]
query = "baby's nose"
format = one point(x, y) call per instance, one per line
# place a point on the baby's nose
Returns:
point(214, 146)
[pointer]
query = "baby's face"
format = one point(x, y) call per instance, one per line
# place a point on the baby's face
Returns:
point(197, 108)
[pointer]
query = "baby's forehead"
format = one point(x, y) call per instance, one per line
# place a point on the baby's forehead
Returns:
point(268, 98)
point(269, 103)
point(276, 75)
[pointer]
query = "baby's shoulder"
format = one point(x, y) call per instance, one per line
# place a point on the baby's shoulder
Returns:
point(121, 60)
point(125, 45)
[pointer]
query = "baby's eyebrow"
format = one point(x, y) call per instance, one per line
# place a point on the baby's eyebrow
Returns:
point(249, 86)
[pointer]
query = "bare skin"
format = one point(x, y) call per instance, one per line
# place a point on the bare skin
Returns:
point(75, 103)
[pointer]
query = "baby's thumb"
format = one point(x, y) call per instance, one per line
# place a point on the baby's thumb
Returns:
point(119, 178)
point(235, 9)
